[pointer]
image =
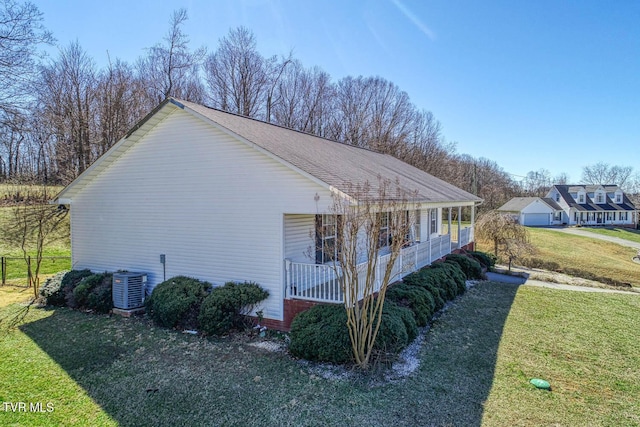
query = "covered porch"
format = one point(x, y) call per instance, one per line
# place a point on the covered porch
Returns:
point(438, 236)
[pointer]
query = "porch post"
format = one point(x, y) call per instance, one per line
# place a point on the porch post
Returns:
point(459, 225)
point(287, 279)
point(449, 221)
point(473, 223)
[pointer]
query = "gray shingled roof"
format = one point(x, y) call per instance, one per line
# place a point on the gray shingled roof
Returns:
point(518, 203)
point(336, 164)
point(332, 163)
point(590, 205)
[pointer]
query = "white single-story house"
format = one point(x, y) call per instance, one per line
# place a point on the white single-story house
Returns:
point(196, 191)
point(533, 211)
point(575, 205)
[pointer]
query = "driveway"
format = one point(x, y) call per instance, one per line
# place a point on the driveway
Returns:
point(581, 232)
point(504, 278)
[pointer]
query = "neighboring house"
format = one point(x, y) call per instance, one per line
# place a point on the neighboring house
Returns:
point(228, 198)
point(594, 205)
point(533, 211)
point(575, 205)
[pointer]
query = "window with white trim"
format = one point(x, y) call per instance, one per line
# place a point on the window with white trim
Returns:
point(434, 221)
point(328, 229)
point(580, 198)
point(599, 198)
point(384, 237)
point(618, 198)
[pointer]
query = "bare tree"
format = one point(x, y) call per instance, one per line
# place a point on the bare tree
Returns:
point(380, 218)
point(171, 69)
point(537, 183)
point(603, 174)
point(304, 99)
point(67, 98)
point(119, 104)
point(238, 75)
point(503, 231)
point(35, 224)
point(21, 33)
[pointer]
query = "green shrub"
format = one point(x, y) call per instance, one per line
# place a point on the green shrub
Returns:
point(398, 328)
point(455, 273)
point(227, 306)
point(438, 276)
point(52, 291)
point(424, 278)
point(416, 298)
point(470, 267)
point(321, 333)
point(69, 283)
point(100, 297)
point(94, 293)
point(484, 258)
point(176, 302)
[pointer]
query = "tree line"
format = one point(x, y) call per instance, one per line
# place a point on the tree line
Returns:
point(58, 115)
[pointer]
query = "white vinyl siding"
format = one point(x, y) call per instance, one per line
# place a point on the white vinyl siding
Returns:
point(299, 238)
point(212, 204)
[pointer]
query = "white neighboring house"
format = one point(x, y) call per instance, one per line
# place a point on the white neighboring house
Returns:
point(227, 198)
point(533, 211)
point(575, 205)
point(594, 205)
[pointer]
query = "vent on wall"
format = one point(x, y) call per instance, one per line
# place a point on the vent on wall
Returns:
point(128, 290)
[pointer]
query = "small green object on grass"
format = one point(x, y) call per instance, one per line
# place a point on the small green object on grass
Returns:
point(541, 384)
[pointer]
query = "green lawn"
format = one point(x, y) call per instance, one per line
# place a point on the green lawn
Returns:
point(580, 256)
point(475, 366)
point(16, 265)
point(621, 233)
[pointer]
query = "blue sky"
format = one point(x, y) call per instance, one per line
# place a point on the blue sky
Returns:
point(529, 84)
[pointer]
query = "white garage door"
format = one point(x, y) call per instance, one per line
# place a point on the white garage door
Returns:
point(536, 219)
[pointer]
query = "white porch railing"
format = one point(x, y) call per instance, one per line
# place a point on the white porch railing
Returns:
point(321, 282)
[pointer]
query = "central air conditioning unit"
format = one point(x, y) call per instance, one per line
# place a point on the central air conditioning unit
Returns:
point(128, 290)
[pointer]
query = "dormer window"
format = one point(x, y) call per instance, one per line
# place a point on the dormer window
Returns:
point(580, 198)
point(618, 198)
point(599, 198)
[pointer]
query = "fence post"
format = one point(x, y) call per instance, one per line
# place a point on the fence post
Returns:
point(29, 271)
point(3, 267)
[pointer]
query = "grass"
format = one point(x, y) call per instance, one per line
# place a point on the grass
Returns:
point(621, 233)
point(16, 265)
point(581, 256)
point(475, 365)
point(584, 345)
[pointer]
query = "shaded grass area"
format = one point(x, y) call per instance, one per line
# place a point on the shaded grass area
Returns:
point(586, 345)
point(138, 374)
point(580, 256)
point(475, 366)
point(621, 233)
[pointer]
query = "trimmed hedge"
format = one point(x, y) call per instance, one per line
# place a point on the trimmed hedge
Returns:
point(94, 293)
point(69, 283)
point(226, 306)
point(470, 267)
point(79, 289)
point(52, 291)
point(176, 302)
point(486, 259)
point(321, 333)
point(416, 298)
